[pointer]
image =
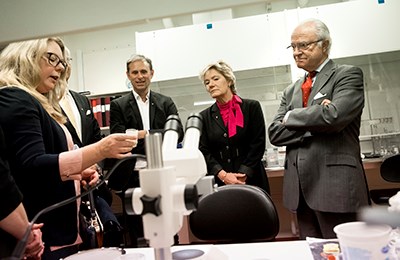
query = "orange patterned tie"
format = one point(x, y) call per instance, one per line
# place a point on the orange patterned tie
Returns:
point(306, 87)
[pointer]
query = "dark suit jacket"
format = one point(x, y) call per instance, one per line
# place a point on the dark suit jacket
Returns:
point(10, 198)
point(240, 153)
point(91, 132)
point(124, 114)
point(34, 142)
point(322, 145)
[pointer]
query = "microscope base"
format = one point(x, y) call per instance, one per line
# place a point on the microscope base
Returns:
point(198, 252)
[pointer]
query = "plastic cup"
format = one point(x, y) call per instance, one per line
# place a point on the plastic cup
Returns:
point(359, 240)
point(132, 131)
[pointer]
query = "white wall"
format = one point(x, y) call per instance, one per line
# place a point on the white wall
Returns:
point(261, 41)
point(95, 74)
point(357, 28)
point(27, 19)
point(245, 43)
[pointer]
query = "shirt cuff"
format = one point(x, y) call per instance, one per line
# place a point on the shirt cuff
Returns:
point(70, 164)
point(285, 118)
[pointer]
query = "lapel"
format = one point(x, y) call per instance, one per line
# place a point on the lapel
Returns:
point(79, 102)
point(72, 131)
point(152, 109)
point(216, 116)
point(298, 94)
point(135, 111)
point(79, 105)
point(321, 79)
point(81, 108)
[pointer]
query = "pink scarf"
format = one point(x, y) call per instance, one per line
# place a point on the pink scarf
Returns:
point(232, 114)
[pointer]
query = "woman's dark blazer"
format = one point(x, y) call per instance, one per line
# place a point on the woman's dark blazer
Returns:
point(241, 153)
point(10, 198)
point(34, 141)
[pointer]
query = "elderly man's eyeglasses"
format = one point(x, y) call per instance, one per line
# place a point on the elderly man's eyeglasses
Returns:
point(54, 60)
point(302, 46)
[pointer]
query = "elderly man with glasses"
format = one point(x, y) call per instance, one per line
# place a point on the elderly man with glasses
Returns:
point(319, 123)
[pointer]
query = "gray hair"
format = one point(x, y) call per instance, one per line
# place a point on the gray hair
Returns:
point(321, 30)
point(67, 55)
point(141, 58)
point(223, 68)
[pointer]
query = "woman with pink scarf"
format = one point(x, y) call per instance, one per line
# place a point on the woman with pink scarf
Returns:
point(233, 135)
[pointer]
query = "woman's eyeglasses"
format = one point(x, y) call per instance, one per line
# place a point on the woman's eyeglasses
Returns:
point(54, 60)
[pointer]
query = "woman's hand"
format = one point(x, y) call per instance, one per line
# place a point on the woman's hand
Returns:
point(232, 178)
point(35, 247)
point(90, 175)
point(117, 145)
point(242, 177)
point(235, 178)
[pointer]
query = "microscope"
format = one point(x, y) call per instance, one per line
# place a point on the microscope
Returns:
point(171, 183)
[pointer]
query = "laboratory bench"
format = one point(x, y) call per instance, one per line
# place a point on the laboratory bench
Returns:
point(288, 222)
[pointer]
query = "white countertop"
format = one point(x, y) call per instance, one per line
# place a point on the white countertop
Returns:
point(298, 250)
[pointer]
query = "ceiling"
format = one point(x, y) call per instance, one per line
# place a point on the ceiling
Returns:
point(27, 19)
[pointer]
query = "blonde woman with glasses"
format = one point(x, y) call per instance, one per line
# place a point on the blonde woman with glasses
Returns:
point(41, 154)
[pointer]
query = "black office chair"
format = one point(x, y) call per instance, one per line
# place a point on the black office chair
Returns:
point(390, 171)
point(390, 168)
point(235, 214)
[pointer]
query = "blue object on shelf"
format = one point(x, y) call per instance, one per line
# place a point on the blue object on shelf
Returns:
point(209, 26)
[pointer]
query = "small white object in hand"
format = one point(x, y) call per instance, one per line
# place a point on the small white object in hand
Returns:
point(134, 132)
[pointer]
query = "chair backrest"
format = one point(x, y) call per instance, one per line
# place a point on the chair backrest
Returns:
point(235, 213)
point(390, 168)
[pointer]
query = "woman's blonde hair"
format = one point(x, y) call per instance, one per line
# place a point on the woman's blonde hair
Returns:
point(19, 67)
point(223, 68)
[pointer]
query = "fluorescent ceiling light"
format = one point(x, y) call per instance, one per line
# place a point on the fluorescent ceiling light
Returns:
point(201, 103)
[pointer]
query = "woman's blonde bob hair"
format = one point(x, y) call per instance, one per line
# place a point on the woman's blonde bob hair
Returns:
point(20, 67)
point(225, 70)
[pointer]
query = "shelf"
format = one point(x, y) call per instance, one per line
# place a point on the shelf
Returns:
point(108, 94)
point(370, 163)
point(369, 137)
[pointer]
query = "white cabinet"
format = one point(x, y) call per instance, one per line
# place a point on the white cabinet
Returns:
point(357, 28)
point(245, 43)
